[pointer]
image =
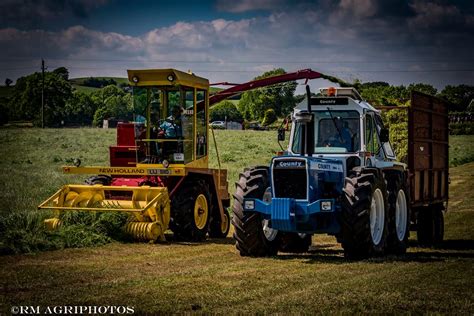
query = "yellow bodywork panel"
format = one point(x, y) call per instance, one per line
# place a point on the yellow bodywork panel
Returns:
point(166, 77)
point(140, 170)
point(149, 206)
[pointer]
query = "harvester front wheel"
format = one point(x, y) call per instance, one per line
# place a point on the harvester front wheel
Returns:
point(219, 229)
point(363, 216)
point(399, 213)
point(253, 235)
point(190, 209)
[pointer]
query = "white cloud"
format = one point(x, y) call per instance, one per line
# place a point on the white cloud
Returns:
point(237, 50)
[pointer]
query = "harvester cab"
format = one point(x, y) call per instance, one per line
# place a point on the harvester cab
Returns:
point(339, 176)
point(158, 169)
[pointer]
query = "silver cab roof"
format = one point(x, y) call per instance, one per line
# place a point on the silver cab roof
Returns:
point(355, 101)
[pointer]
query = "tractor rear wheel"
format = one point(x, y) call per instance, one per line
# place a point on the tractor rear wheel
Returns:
point(253, 235)
point(363, 216)
point(398, 214)
point(190, 208)
point(219, 229)
point(295, 243)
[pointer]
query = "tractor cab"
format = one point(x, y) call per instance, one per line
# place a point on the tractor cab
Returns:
point(343, 127)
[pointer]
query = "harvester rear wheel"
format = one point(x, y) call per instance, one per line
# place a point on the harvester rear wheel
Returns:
point(363, 217)
point(219, 229)
point(399, 213)
point(252, 234)
point(190, 209)
point(295, 243)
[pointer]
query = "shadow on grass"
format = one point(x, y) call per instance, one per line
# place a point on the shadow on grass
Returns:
point(450, 244)
point(219, 241)
point(322, 254)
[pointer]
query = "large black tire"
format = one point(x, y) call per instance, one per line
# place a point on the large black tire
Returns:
point(398, 213)
point(359, 190)
point(217, 228)
point(294, 243)
point(249, 236)
point(184, 223)
point(100, 179)
point(430, 225)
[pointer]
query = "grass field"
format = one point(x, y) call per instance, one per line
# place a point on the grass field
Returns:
point(211, 276)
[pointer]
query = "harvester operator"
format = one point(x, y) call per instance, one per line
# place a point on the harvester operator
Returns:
point(171, 127)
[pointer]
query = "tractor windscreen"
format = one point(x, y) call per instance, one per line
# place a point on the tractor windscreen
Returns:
point(334, 132)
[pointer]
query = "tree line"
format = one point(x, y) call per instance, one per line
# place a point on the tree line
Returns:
point(63, 105)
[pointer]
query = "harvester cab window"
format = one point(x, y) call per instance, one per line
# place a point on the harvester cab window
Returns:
point(201, 124)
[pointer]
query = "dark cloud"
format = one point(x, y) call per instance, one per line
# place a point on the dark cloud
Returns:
point(31, 14)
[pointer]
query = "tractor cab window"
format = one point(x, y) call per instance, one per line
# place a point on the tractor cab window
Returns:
point(372, 142)
point(334, 132)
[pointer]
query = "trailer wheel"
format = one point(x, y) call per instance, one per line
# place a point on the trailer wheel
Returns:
point(430, 225)
point(295, 243)
point(398, 214)
point(252, 233)
point(190, 208)
point(363, 215)
point(219, 229)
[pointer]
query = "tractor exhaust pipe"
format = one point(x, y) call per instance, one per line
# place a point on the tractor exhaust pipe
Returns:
point(309, 126)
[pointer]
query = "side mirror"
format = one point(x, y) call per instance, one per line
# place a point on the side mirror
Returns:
point(281, 134)
point(384, 135)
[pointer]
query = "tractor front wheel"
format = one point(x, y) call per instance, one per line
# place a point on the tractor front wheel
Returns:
point(253, 234)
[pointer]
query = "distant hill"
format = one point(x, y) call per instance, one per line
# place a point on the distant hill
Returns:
point(80, 84)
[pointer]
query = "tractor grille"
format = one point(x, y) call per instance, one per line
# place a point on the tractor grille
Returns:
point(290, 179)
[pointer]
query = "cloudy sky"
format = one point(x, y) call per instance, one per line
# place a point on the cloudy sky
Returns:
point(397, 41)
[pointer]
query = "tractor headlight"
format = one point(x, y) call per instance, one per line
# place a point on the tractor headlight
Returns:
point(326, 205)
point(166, 163)
point(135, 79)
point(249, 205)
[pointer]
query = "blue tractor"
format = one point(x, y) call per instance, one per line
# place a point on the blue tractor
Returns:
point(338, 176)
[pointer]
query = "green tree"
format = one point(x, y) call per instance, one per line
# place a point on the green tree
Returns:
point(113, 103)
point(279, 97)
point(422, 87)
point(225, 110)
point(80, 109)
point(460, 96)
point(25, 103)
